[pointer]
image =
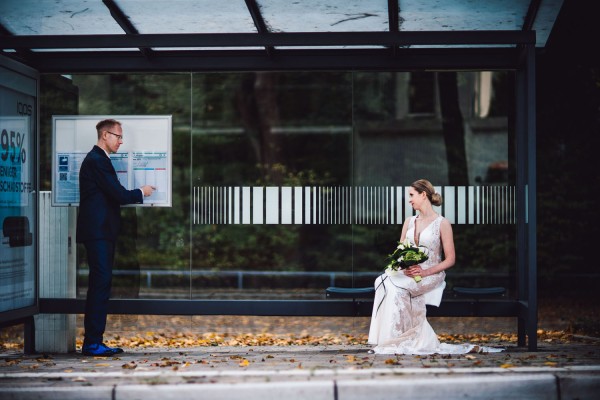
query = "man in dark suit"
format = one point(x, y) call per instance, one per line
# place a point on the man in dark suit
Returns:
point(100, 198)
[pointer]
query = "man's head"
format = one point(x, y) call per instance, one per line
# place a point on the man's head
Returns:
point(110, 135)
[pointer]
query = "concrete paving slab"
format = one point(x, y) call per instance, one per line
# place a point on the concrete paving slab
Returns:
point(61, 393)
point(246, 391)
point(334, 372)
point(579, 386)
point(449, 387)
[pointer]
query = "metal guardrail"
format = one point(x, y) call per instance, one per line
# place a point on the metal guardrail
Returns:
point(333, 276)
point(240, 275)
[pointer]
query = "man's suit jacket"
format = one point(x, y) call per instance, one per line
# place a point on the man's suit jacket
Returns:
point(100, 198)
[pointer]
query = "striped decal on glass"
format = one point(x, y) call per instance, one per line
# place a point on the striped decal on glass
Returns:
point(330, 205)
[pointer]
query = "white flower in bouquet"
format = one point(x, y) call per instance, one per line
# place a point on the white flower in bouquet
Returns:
point(406, 255)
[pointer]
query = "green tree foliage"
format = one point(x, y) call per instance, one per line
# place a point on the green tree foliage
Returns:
point(273, 129)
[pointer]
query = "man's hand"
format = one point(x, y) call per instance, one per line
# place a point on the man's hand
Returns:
point(147, 190)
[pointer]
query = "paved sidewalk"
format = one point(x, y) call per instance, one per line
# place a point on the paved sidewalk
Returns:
point(333, 372)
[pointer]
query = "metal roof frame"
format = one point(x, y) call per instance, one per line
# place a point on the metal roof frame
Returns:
point(84, 62)
point(394, 53)
point(393, 49)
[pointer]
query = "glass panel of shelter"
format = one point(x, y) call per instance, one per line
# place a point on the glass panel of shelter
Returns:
point(286, 183)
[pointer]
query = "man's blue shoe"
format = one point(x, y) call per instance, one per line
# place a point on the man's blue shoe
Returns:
point(99, 349)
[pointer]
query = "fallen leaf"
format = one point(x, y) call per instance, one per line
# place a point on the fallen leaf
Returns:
point(244, 363)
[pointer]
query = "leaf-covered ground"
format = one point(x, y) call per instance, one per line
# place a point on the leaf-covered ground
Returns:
point(181, 340)
point(560, 321)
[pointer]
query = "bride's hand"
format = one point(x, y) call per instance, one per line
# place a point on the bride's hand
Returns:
point(415, 270)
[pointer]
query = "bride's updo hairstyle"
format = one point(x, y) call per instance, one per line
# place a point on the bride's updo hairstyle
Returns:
point(423, 185)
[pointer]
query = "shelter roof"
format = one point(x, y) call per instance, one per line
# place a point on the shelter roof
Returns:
point(122, 35)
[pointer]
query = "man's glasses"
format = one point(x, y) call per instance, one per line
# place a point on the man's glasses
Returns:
point(120, 137)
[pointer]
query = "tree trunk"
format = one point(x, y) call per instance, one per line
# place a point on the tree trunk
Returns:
point(453, 128)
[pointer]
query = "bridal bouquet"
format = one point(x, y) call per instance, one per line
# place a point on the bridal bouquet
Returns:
point(407, 255)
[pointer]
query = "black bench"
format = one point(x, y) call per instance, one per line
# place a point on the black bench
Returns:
point(366, 292)
point(349, 293)
point(478, 293)
point(465, 302)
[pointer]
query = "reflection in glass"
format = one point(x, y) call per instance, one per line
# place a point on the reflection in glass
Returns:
point(421, 93)
point(181, 16)
point(285, 183)
point(325, 15)
point(255, 137)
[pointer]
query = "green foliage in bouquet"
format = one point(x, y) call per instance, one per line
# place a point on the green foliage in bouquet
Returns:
point(406, 255)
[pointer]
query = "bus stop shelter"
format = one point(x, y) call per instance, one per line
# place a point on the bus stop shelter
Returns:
point(121, 36)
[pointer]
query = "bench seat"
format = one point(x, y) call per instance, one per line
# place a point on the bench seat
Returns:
point(479, 292)
point(349, 293)
point(365, 292)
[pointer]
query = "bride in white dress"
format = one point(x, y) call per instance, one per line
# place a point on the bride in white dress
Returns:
point(399, 324)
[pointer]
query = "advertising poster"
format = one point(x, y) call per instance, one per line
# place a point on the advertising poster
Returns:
point(17, 205)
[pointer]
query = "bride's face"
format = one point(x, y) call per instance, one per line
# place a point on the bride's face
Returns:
point(415, 198)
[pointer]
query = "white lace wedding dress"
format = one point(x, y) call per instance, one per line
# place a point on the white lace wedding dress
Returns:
point(399, 324)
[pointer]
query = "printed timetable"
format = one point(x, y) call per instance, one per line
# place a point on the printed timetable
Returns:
point(150, 168)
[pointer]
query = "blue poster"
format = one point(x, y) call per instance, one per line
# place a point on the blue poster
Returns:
point(17, 202)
